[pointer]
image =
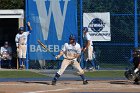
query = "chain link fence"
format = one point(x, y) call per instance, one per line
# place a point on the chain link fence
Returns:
point(114, 54)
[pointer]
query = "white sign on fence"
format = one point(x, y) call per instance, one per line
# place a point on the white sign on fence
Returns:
point(98, 25)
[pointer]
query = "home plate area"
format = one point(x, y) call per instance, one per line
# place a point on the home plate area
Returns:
point(98, 86)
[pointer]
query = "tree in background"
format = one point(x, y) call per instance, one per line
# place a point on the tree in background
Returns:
point(12, 4)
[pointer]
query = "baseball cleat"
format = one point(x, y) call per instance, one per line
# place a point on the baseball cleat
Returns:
point(136, 83)
point(53, 82)
point(85, 82)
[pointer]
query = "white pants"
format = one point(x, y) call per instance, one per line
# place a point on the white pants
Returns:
point(88, 54)
point(66, 63)
point(22, 51)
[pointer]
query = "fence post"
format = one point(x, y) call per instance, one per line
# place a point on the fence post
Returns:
point(81, 32)
point(136, 24)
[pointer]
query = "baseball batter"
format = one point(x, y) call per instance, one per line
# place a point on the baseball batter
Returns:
point(88, 48)
point(71, 51)
point(21, 44)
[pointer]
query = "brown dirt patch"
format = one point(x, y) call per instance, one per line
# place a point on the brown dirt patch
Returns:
point(68, 87)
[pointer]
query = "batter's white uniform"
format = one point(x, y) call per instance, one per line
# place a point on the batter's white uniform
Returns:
point(21, 43)
point(88, 54)
point(69, 51)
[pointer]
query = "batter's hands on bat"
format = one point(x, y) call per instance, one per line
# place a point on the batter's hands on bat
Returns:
point(58, 56)
point(76, 55)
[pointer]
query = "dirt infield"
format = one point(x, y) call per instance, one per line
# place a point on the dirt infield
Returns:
point(111, 86)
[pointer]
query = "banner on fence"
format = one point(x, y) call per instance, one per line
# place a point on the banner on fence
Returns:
point(52, 22)
point(98, 25)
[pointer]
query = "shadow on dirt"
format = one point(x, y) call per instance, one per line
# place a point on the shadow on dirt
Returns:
point(35, 82)
point(121, 82)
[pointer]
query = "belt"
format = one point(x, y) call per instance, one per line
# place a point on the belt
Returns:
point(69, 59)
point(22, 44)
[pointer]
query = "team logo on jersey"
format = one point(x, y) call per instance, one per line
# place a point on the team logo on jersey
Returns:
point(96, 25)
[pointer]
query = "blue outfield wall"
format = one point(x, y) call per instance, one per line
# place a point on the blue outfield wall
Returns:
point(52, 22)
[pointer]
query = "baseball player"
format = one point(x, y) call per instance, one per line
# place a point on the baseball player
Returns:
point(136, 62)
point(71, 51)
point(21, 44)
point(88, 48)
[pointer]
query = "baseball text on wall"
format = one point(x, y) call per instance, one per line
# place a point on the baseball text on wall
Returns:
point(52, 22)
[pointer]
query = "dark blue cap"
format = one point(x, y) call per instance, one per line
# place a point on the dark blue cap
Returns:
point(72, 37)
point(21, 29)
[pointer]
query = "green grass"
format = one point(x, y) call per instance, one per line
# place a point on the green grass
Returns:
point(105, 74)
point(20, 74)
point(111, 65)
point(29, 74)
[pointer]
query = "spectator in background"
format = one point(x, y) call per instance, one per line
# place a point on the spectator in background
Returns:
point(6, 54)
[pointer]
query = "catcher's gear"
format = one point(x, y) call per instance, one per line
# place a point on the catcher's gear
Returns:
point(136, 52)
point(130, 75)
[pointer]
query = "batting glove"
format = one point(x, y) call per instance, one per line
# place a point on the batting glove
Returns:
point(58, 56)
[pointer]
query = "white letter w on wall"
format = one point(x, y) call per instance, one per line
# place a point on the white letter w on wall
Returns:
point(45, 15)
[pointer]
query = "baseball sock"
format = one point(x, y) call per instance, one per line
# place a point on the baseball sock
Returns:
point(91, 63)
point(20, 61)
point(56, 77)
point(24, 61)
point(83, 77)
point(9, 64)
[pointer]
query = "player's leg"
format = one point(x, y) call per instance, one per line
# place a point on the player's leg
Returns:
point(136, 65)
point(81, 72)
point(85, 60)
point(20, 55)
point(90, 57)
point(24, 51)
point(9, 63)
point(64, 65)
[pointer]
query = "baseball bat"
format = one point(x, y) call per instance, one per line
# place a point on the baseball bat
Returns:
point(49, 50)
point(45, 48)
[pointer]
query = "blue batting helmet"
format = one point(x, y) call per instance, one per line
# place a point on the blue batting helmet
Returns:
point(72, 37)
point(85, 29)
point(21, 29)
